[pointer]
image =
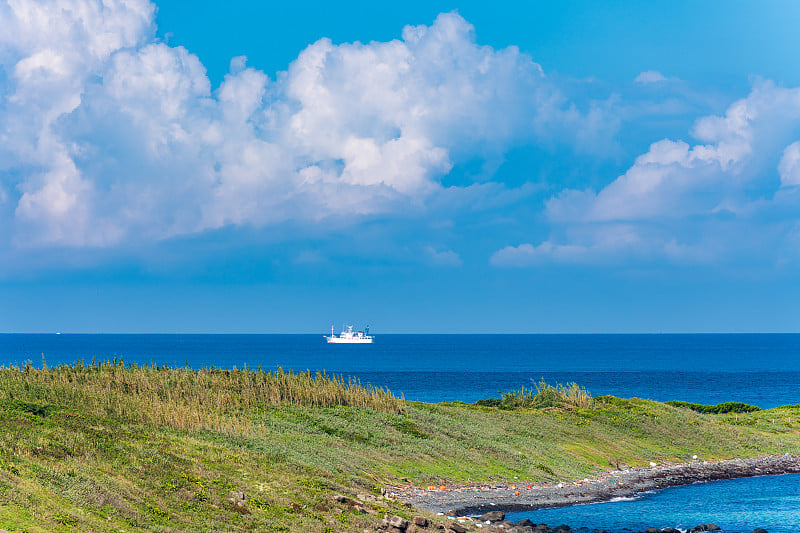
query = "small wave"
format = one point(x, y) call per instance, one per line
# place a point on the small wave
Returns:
point(621, 499)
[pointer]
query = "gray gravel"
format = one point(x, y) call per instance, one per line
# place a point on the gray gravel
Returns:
point(476, 499)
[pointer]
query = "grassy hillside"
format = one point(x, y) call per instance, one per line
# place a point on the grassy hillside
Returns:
point(112, 447)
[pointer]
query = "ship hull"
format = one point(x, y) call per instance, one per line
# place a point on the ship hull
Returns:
point(339, 340)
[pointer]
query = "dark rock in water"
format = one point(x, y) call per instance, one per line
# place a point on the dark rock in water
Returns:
point(493, 516)
point(759, 530)
point(652, 530)
point(563, 527)
point(670, 530)
point(706, 527)
point(525, 522)
point(543, 528)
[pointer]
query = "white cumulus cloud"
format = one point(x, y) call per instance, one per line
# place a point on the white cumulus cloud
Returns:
point(789, 167)
point(109, 135)
point(447, 258)
point(688, 202)
point(650, 76)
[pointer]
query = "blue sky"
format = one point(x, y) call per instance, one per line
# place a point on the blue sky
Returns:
point(422, 166)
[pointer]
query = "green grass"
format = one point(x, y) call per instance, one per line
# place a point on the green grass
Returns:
point(114, 447)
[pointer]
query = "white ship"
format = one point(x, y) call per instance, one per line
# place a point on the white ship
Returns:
point(348, 336)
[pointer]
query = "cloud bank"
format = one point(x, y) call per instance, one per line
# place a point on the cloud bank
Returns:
point(110, 136)
point(734, 192)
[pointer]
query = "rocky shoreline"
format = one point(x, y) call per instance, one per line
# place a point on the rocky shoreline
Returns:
point(473, 500)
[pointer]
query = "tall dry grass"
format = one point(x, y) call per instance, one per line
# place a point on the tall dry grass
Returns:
point(183, 398)
point(544, 395)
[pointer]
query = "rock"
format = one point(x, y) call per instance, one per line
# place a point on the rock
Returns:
point(542, 528)
point(399, 522)
point(507, 523)
point(670, 530)
point(563, 527)
point(493, 516)
point(756, 530)
point(382, 524)
point(341, 499)
point(393, 529)
point(706, 527)
point(413, 528)
point(652, 530)
point(421, 521)
point(525, 522)
point(457, 528)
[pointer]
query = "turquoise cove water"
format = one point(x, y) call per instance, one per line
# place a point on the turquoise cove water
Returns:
point(737, 505)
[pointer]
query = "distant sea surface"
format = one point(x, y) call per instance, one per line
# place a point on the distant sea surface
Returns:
point(759, 369)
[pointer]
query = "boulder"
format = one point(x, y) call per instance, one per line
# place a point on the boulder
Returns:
point(756, 530)
point(652, 530)
point(670, 530)
point(399, 522)
point(421, 521)
point(457, 528)
point(341, 499)
point(525, 522)
point(493, 516)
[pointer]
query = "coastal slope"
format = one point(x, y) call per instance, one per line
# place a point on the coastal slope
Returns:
point(116, 447)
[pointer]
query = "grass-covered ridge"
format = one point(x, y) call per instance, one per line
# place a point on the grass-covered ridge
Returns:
point(115, 447)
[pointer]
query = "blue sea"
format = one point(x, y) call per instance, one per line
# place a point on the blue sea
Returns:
point(759, 369)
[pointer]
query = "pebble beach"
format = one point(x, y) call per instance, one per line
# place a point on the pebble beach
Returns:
point(473, 500)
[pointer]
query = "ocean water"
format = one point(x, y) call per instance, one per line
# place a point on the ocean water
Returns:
point(737, 505)
point(762, 370)
point(759, 369)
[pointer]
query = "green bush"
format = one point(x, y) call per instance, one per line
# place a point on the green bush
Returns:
point(546, 395)
point(719, 409)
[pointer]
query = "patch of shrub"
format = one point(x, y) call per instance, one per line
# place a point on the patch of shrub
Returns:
point(719, 409)
point(65, 520)
point(410, 428)
point(546, 395)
